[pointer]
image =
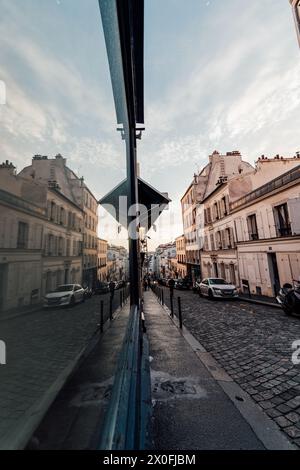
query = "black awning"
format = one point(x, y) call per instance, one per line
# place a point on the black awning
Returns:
point(151, 203)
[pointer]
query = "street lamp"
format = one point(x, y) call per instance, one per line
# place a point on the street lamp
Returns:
point(296, 11)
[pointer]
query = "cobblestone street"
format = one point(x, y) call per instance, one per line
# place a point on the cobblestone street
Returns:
point(40, 346)
point(253, 343)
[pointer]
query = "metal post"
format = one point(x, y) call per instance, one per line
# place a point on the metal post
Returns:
point(110, 308)
point(162, 297)
point(132, 193)
point(172, 306)
point(101, 316)
point(121, 299)
point(179, 313)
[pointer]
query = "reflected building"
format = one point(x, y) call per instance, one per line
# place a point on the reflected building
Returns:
point(56, 172)
point(40, 239)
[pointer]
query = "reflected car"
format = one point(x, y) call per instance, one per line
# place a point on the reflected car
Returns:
point(102, 288)
point(182, 284)
point(217, 288)
point(65, 295)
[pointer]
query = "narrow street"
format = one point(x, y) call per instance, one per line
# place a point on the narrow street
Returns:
point(253, 343)
point(41, 345)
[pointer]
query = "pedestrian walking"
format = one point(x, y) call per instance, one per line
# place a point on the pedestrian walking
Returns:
point(112, 287)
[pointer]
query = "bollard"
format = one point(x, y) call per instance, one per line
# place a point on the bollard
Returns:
point(101, 316)
point(179, 313)
point(162, 297)
point(121, 299)
point(172, 306)
point(110, 308)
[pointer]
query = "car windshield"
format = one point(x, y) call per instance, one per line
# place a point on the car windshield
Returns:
point(65, 288)
point(217, 281)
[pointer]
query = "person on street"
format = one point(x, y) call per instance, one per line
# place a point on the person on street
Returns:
point(112, 289)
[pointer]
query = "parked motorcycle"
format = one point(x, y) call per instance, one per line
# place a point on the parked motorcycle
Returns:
point(289, 298)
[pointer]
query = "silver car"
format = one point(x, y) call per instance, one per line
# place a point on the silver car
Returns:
point(217, 288)
point(66, 294)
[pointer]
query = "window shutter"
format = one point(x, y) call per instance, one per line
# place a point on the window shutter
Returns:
point(294, 214)
point(223, 238)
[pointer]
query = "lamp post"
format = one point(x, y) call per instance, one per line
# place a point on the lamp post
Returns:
point(296, 11)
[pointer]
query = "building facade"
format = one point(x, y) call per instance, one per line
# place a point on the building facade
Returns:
point(251, 235)
point(54, 171)
point(219, 168)
point(181, 256)
point(165, 260)
point(117, 263)
point(40, 241)
point(102, 259)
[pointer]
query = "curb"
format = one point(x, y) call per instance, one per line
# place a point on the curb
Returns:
point(260, 302)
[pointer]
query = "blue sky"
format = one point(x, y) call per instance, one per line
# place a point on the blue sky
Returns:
point(218, 75)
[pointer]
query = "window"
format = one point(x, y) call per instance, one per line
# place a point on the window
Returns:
point(252, 227)
point(216, 211)
point(212, 242)
point(22, 235)
point(282, 220)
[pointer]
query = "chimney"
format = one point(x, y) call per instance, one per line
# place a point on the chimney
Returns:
point(8, 167)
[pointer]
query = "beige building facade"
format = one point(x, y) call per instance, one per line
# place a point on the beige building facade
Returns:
point(251, 233)
point(181, 257)
point(102, 259)
point(219, 168)
point(40, 240)
point(54, 171)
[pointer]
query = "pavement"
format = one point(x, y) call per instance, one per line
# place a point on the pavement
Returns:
point(74, 420)
point(252, 343)
point(43, 349)
point(191, 410)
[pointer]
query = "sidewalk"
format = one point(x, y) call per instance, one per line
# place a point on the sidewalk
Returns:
point(75, 419)
point(196, 404)
point(43, 350)
point(260, 299)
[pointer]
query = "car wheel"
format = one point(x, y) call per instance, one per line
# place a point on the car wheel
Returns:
point(210, 294)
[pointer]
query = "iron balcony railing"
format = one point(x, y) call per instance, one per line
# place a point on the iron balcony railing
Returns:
point(276, 183)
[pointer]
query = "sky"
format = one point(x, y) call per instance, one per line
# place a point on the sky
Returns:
point(218, 75)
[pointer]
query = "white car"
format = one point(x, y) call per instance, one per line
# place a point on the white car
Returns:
point(217, 288)
point(66, 294)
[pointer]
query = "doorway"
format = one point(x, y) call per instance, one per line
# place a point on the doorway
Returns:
point(274, 273)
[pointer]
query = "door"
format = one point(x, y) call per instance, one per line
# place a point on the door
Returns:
point(216, 269)
point(274, 274)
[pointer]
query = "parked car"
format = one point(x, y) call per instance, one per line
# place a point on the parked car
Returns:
point(217, 288)
point(66, 294)
point(182, 284)
point(102, 288)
